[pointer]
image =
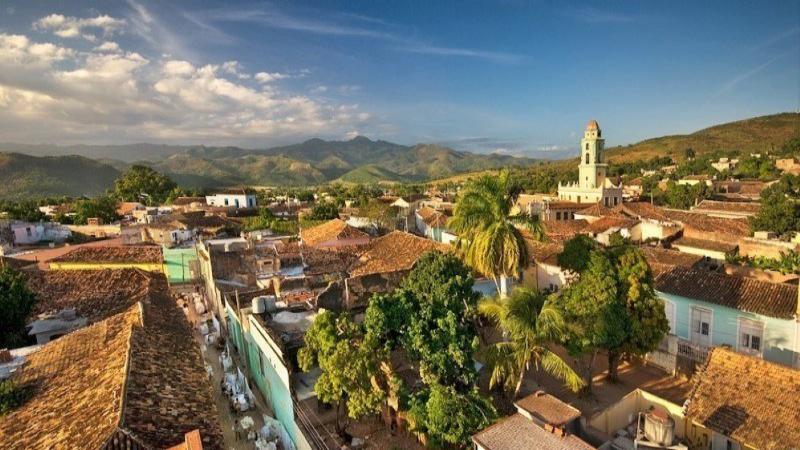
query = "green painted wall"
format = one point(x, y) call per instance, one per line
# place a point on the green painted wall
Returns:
point(176, 264)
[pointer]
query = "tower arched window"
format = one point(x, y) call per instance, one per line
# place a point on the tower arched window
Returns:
point(587, 158)
point(587, 146)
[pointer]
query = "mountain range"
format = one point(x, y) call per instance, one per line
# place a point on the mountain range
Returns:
point(48, 170)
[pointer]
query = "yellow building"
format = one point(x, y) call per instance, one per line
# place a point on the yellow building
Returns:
point(593, 186)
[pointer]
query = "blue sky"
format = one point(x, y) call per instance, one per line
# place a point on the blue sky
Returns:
point(508, 76)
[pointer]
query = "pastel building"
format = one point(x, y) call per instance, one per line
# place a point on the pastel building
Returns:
point(593, 186)
point(236, 198)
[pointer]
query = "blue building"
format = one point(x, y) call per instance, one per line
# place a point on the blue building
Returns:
point(707, 309)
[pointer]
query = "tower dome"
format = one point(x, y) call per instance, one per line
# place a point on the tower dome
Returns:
point(592, 125)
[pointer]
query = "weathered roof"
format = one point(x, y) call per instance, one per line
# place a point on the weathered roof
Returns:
point(749, 399)
point(642, 210)
point(705, 244)
point(336, 229)
point(322, 261)
point(129, 254)
point(661, 258)
point(606, 223)
point(731, 207)
point(183, 201)
point(95, 294)
point(777, 300)
point(517, 432)
point(543, 252)
point(596, 210)
point(432, 217)
point(393, 252)
point(548, 409)
point(136, 377)
point(562, 230)
point(702, 222)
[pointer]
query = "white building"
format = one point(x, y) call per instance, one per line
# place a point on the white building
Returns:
point(236, 198)
point(27, 233)
point(592, 185)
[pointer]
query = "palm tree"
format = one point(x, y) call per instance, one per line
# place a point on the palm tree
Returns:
point(528, 322)
point(491, 239)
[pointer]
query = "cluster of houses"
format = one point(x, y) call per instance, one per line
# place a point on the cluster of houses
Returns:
point(117, 360)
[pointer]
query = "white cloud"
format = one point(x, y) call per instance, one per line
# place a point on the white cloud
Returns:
point(352, 134)
point(267, 77)
point(319, 89)
point(71, 27)
point(107, 46)
point(56, 93)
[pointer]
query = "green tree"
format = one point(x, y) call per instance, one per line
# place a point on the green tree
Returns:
point(593, 316)
point(12, 395)
point(449, 417)
point(102, 207)
point(348, 366)
point(576, 253)
point(528, 324)
point(324, 211)
point(431, 317)
point(689, 153)
point(383, 214)
point(780, 207)
point(16, 305)
point(143, 182)
point(490, 238)
point(26, 210)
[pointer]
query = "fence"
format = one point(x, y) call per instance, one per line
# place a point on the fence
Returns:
point(678, 355)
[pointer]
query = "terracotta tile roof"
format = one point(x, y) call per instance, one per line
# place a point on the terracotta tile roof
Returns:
point(661, 258)
point(125, 208)
point(129, 254)
point(642, 210)
point(201, 221)
point(137, 377)
point(336, 229)
point(432, 217)
point(393, 252)
point(705, 244)
point(183, 201)
point(596, 210)
point(574, 206)
point(562, 230)
point(321, 261)
point(95, 294)
point(603, 224)
point(548, 409)
point(751, 400)
point(702, 222)
point(734, 207)
point(517, 432)
point(545, 252)
point(745, 294)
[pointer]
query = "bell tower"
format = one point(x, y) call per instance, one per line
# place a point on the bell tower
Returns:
point(592, 169)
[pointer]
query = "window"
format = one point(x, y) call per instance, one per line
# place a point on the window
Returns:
point(700, 332)
point(558, 215)
point(226, 201)
point(605, 200)
point(587, 155)
point(615, 201)
point(28, 231)
point(587, 148)
point(669, 309)
point(751, 336)
point(578, 199)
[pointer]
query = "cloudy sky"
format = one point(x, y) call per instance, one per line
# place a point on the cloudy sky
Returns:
point(511, 76)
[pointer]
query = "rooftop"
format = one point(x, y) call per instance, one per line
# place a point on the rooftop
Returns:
point(705, 244)
point(562, 230)
point(128, 254)
point(642, 210)
point(393, 252)
point(606, 223)
point(657, 256)
point(548, 409)
point(336, 229)
point(745, 294)
point(596, 210)
point(728, 207)
point(133, 380)
point(517, 432)
point(702, 222)
point(95, 294)
point(748, 399)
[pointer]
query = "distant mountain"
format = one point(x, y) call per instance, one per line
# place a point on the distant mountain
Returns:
point(25, 176)
point(757, 134)
point(127, 153)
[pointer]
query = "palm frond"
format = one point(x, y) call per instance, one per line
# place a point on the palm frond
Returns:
point(555, 366)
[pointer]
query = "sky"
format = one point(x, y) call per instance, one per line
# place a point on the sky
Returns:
point(516, 77)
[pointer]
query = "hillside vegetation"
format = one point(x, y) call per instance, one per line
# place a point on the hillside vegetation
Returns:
point(25, 176)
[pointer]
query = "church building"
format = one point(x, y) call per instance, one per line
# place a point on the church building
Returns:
point(593, 186)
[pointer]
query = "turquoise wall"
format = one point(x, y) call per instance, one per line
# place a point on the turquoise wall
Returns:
point(272, 378)
point(779, 334)
point(234, 328)
point(176, 264)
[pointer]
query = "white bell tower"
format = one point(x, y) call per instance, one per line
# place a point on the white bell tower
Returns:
point(592, 169)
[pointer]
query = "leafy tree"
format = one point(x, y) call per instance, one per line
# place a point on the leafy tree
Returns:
point(683, 196)
point(142, 181)
point(430, 317)
point(528, 323)
point(689, 153)
point(102, 207)
point(752, 167)
point(576, 253)
point(381, 213)
point(324, 211)
point(26, 210)
point(450, 417)
point(12, 395)
point(489, 238)
point(16, 304)
point(348, 366)
point(593, 315)
point(780, 207)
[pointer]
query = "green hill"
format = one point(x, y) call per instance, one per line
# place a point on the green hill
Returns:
point(369, 174)
point(25, 176)
point(757, 134)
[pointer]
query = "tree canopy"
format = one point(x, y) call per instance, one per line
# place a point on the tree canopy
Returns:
point(142, 182)
point(16, 304)
point(101, 207)
point(449, 416)
point(324, 211)
point(780, 207)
